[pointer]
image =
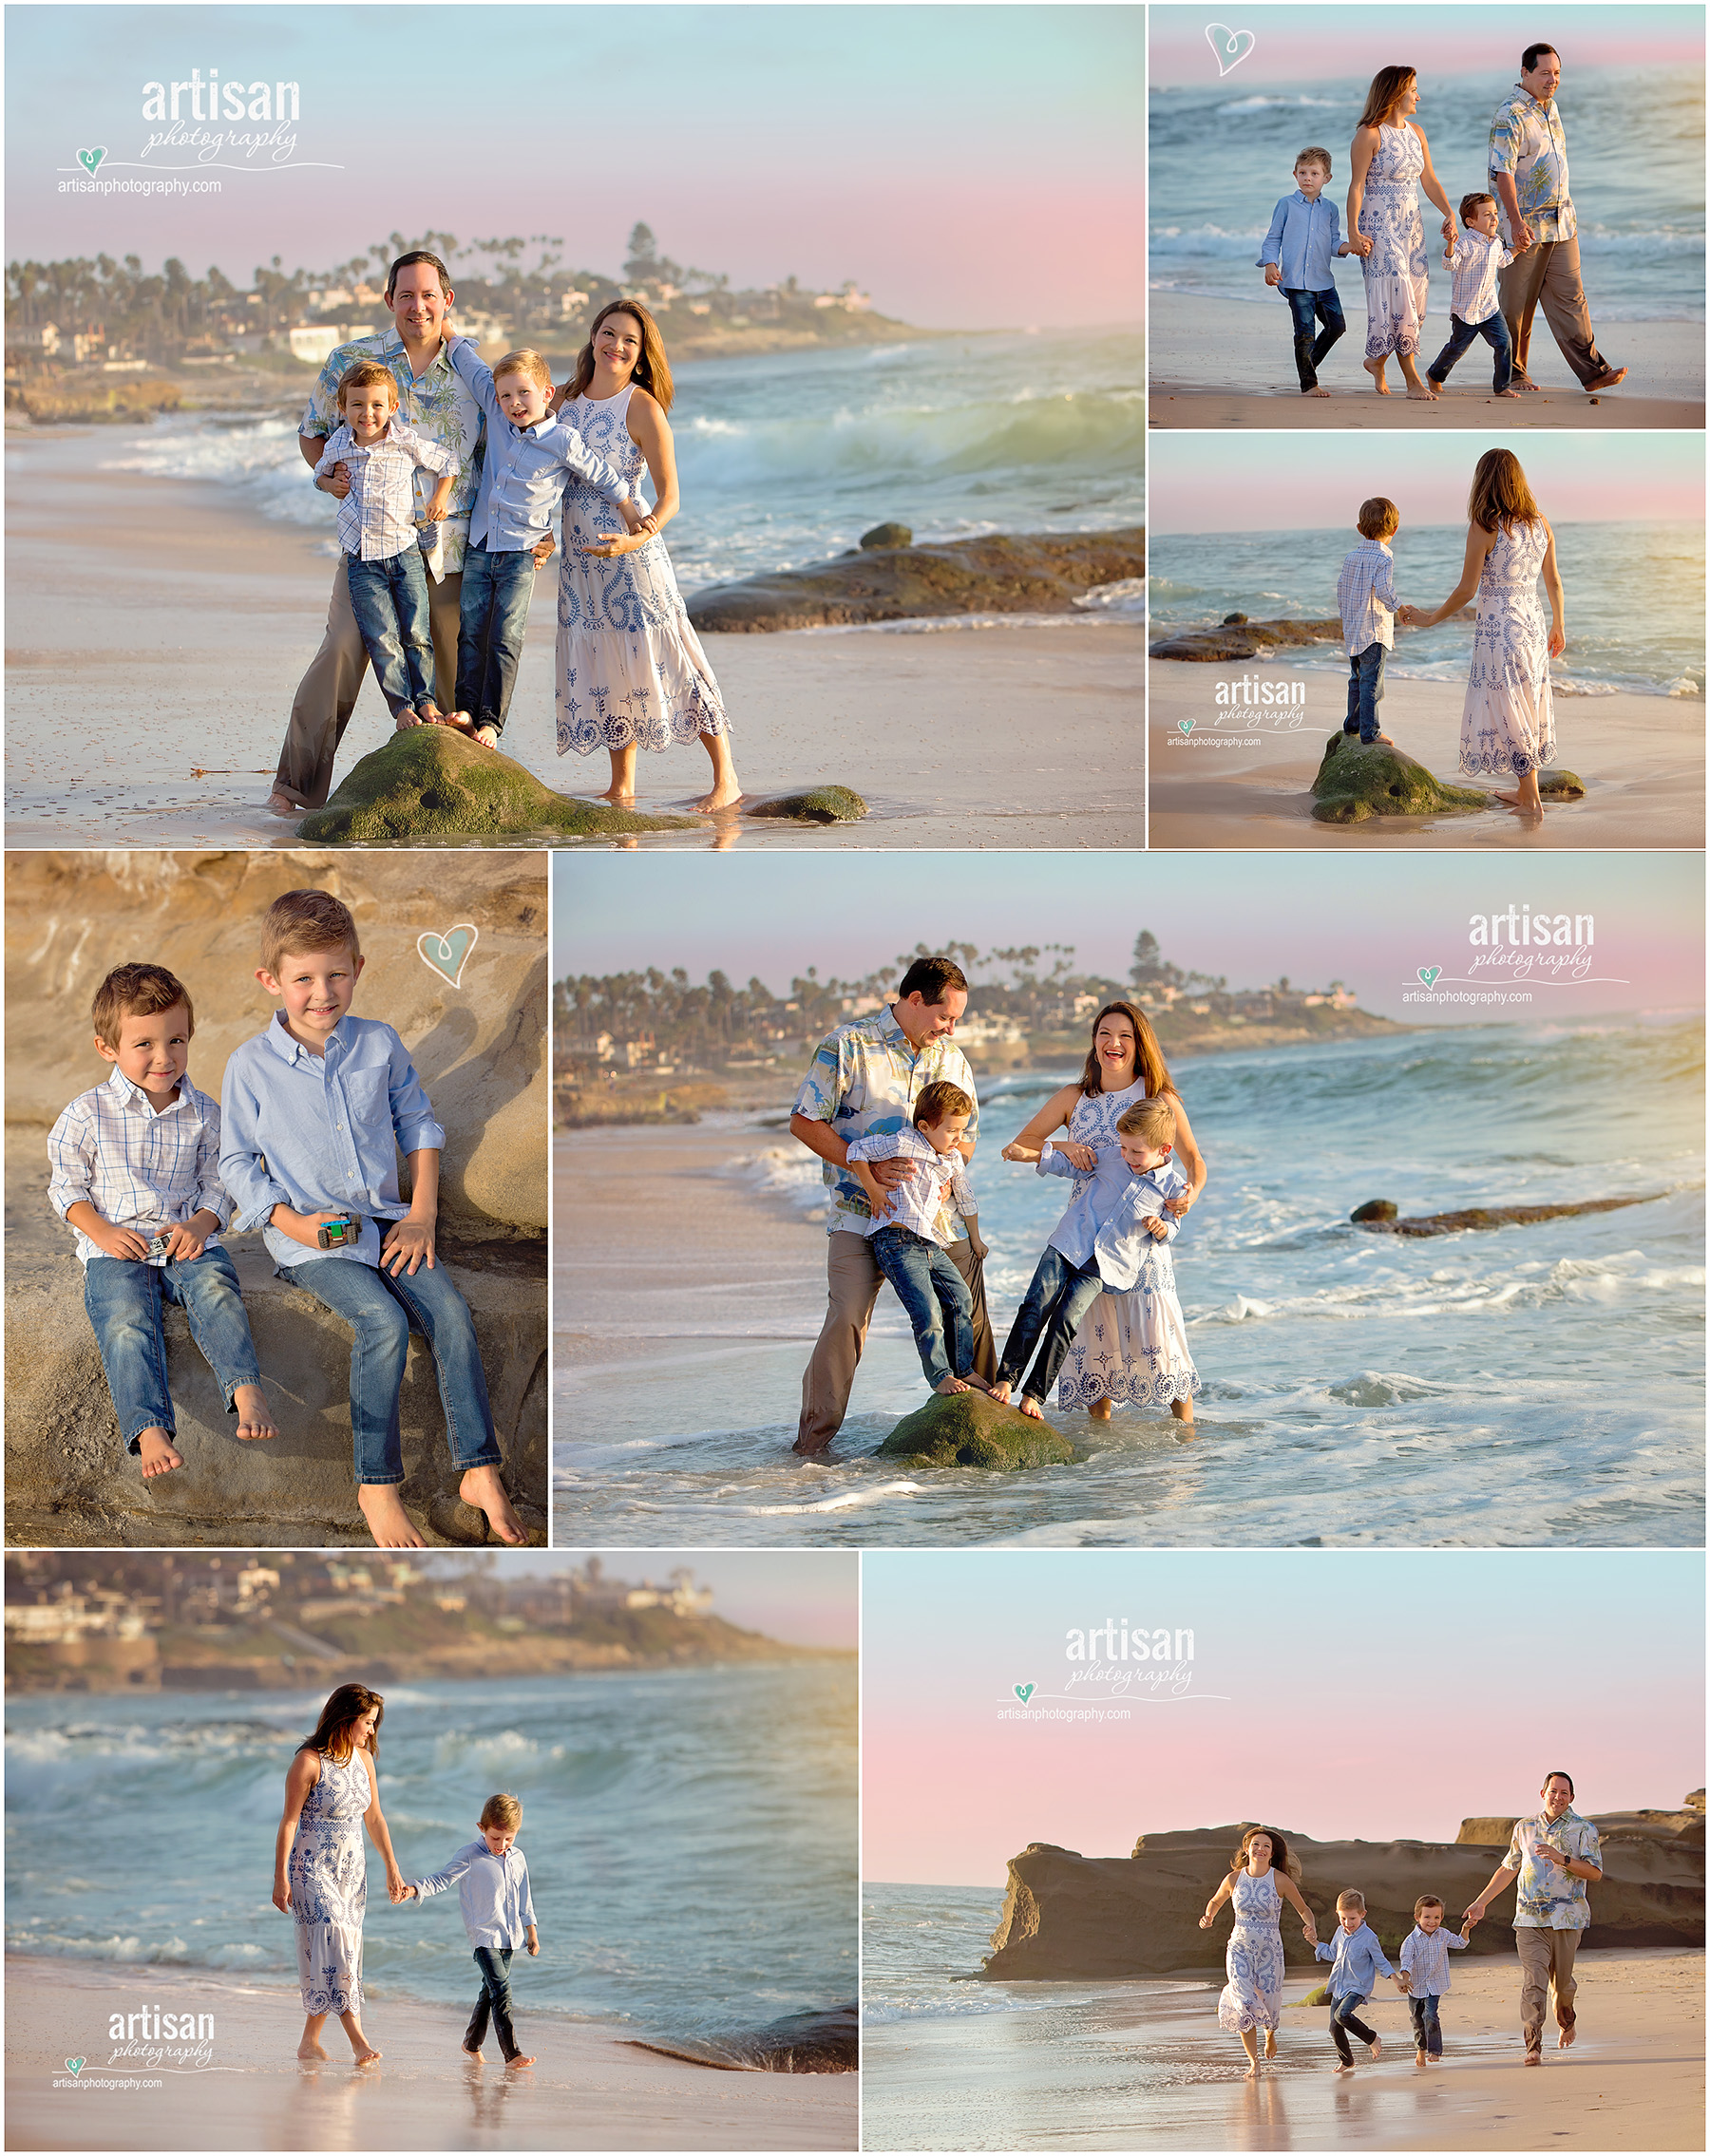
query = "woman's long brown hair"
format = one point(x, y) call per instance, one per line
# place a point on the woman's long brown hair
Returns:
point(339, 1716)
point(653, 369)
point(1281, 1860)
point(1500, 494)
point(1149, 1056)
point(1387, 86)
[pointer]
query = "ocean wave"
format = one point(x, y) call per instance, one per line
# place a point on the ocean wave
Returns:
point(1278, 103)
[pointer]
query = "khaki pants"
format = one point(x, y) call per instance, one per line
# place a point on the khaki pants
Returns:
point(1546, 1963)
point(1550, 273)
point(853, 1281)
point(327, 694)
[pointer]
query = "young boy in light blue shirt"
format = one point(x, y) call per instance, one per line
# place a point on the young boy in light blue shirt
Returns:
point(1304, 239)
point(1359, 1962)
point(492, 1878)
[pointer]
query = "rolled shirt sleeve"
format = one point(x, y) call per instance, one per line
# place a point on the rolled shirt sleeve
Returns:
point(411, 1112)
point(71, 1150)
point(1051, 1162)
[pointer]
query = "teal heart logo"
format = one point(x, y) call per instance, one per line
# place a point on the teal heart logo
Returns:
point(448, 953)
point(1024, 1692)
point(1185, 724)
point(1231, 46)
point(89, 160)
point(75, 2066)
point(1429, 975)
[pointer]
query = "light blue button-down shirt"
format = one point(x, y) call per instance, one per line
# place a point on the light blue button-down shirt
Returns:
point(525, 469)
point(321, 1133)
point(493, 1891)
point(1116, 1239)
point(1303, 240)
point(1359, 1958)
point(1425, 1956)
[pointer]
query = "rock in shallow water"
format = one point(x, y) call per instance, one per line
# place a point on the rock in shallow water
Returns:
point(819, 804)
point(1358, 780)
point(885, 535)
point(965, 1429)
point(819, 2041)
point(1378, 1215)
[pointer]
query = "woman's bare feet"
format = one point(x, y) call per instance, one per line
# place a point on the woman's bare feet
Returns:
point(949, 1384)
point(1374, 368)
point(281, 805)
point(1270, 2043)
point(1252, 2071)
point(1420, 393)
point(1031, 1408)
point(1182, 1410)
point(619, 796)
point(1101, 1410)
point(721, 797)
point(365, 2053)
point(482, 1489)
point(308, 2049)
point(255, 1421)
point(727, 788)
point(388, 1521)
point(159, 1455)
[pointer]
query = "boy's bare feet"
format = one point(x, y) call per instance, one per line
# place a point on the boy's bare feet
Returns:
point(383, 1509)
point(519, 2060)
point(281, 805)
point(1374, 368)
point(159, 1455)
point(1031, 1408)
point(1000, 1391)
point(1101, 1410)
point(487, 736)
point(1419, 2057)
point(406, 718)
point(949, 1384)
point(975, 1383)
point(1339, 2068)
point(1377, 2047)
point(482, 1489)
point(430, 715)
point(1317, 391)
point(255, 1421)
point(1379, 740)
point(472, 2051)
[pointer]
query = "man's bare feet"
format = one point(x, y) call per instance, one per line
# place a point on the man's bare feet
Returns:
point(281, 805)
point(1374, 368)
point(1607, 380)
point(975, 1383)
point(254, 1421)
point(1495, 393)
point(159, 1455)
point(1528, 386)
point(721, 797)
point(1532, 2058)
point(519, 2060)
point(430, 715)
point(482, 1489)
point(308, 2049)
point(1031, 1408)
point(1101, 1410)
point(1565, 2041)
point(949, 1384)
point(383, 1509)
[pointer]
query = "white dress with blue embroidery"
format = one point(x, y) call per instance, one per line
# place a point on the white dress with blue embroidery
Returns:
point(328, 1875)
point(631, 671)
point(1508, 722)
point(1131, 1348)
point(1397, 275)
point(1253, 1963)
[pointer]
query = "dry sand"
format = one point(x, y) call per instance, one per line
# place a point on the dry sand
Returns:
point(1143, 2079)
point(1641, 759)
point(588, 2091)
point(1230, 363)
point(154, 627)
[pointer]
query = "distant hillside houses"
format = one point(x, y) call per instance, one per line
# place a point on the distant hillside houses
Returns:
point(593, 1594)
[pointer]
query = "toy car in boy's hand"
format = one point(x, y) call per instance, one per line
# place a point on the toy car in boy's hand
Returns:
point(338, 1233)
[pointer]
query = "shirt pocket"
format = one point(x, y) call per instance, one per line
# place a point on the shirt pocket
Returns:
point(369, 1095)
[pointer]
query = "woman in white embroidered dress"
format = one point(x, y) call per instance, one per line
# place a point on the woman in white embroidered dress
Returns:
point(320, 1872)
point(631, 671)
point(1261, 1877)
point(1390, 161)
point(1508, 720)
point(1128, 1347)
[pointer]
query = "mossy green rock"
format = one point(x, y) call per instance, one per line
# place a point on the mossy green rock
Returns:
point(819, 804)
point(1561, 785)
point(965, 1429)
point(1360, 779)
point(433, 783)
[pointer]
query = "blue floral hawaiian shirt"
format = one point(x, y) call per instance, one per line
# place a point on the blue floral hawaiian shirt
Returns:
point(1548, 1898)
point(1527, 141)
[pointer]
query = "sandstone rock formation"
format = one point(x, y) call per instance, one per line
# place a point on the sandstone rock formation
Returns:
point(966, 1429)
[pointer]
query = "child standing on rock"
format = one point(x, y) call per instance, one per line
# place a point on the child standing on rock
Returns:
point(1365, 598)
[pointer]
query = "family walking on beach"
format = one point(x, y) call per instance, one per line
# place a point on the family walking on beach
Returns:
point(1508, 251)
point(448, 477)
point(889, 1106)
point(1552, 1859)
point(320, 1880)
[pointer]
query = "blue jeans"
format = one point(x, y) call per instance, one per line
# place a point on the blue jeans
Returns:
point(1059, 1296)
point(930, 1290)
point(491, 626)
point(1365, 692)
point(390, 600)
point(1495, 331)
point(495, 1999)
point(127, 1303)
point(1428, 2029)
point(1326, 307)
point(381, 1309)
point(1344, 2016)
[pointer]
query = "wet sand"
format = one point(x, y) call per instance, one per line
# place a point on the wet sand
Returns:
point(1230, 363)
point(589, 2088)
point(156, 630)
point(1100, 2075)
point(1641, 758)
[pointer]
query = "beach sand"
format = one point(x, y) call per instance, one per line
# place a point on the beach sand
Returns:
point(1230, 363)
point(155, 625)
point(1144, 2078)
point(1641, 758)
point(588, 2091)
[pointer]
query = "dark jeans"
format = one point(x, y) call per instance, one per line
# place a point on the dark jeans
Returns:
point(127, 1303)
point(1365, 692)
point(390, 600)
point(1326, 307)
point(380, 1309)
point(494, 620)
point(933, 1293)
point(1428, 2029)
point(495, 1999)
point(1057, 1298)
point(1344, 2015)
point(1495, 331)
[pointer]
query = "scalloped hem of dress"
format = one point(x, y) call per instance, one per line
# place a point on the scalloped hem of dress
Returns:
point(1156, 1392)
point(1237, 2023)
point(1516, 768)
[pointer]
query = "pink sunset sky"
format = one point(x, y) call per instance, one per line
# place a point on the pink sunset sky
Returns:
point(1309, 1707)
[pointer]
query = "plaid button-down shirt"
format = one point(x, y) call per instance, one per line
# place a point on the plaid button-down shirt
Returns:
point(1365, 597)
point(1475, 261)
point(377, 519)
point(918, 1203)
point(141, 1167)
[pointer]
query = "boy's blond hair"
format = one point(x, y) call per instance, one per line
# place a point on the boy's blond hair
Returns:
point(1351, 1897)
point(137, 991)
point(1315, 156)
point(301, 921)
point(525, 360)
point(501, 1811)
point(366, 373)
point(1379, 517)
point(1152, 1121)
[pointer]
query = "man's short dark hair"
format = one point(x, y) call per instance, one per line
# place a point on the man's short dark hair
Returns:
point(930, 978)
point(415, 255)
point(1529, 58)
point(1556, 1774)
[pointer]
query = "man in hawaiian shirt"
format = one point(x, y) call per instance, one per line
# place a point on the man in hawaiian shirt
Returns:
point(865, 1078)
point(433, 398)
point(1555, 1854)
point(1528, 178)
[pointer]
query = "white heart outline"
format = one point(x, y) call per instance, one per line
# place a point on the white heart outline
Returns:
point(1431, 975)
point(439, 936)
point(1215, 31)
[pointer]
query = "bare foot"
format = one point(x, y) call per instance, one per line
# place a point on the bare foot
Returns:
point(975, 1383)
point(1270, 2043)
point(1532, 2058)
point(1565, 2041)
point(1252, 2071)
point(519, 2060)
point(1528, 386)
point(810, 1452)
point(1339, 2069)
point(281, 805)
point(254, 1420)
point(308, 2049)
point(388, 1521)
point(946, 1386)
point(619, 796)
point(487, 736)
point(1378, 741)
point(1421, 393)
point(472, 2051)
point(1182, 1410)
point(1101, 1410)
point(721, 797)
point(1000, 1391)
point(1494, 393)
point(1374, 368)
point(1315, 391)
point(1607, 379)
point(365, 2053)
point(405, 719)
point(430, 715)
point(1419, 2058)
point(159, 1455)
point(1376, 2048)
point(482, 1489)
point(1031, 1408)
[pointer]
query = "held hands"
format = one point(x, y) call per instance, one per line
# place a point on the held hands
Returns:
point(1079, 1157)
point(1157, 1227)
point(616, 544)
point(634, 521)
point(337, 482)
point(1017, 1151)
point(409, 1244)
point(1360, 244)
point(397, 1887)
point(1474, 1914)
